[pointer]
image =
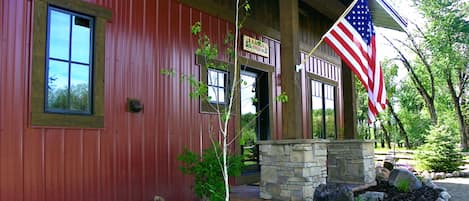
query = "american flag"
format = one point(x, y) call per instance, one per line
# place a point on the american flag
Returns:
point(353, 39)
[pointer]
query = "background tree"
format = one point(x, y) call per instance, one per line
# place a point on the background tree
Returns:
point(447, 40)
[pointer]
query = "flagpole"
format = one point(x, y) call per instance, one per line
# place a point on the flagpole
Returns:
point(323, 36)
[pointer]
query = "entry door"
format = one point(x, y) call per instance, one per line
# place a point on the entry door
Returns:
point(254, 117)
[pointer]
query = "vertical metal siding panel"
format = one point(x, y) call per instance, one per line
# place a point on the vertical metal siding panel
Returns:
point(148, 150)
point(120, 80)
point(163, 138)
point(195, 136)
point(278, 90)
point(158, 97)
point(108, 153)
point(191, 106)
point(13, 43)
point(90, 147)
point(73, 155)
point(54, 164)
point(177, 135)
point(304, 95)
point(136, 91)
point(106, 166)
point(34, 165)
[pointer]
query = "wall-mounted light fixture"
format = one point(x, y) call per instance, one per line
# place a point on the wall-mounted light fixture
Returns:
point(134, 105)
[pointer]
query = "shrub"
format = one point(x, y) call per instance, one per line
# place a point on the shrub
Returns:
point(440, 153)
point(403, 186)
point(207, 171)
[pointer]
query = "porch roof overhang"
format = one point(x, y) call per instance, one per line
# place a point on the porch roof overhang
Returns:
point(384, 15)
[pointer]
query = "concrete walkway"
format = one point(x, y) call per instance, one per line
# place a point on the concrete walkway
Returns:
point(458, 188)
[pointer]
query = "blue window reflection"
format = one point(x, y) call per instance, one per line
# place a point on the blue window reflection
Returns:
point(216, 86)
point(69, 66)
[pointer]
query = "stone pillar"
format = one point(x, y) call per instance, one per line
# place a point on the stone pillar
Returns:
point(351, 162)
point(292, 169)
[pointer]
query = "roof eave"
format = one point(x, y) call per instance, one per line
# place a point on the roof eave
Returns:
point(384, 15)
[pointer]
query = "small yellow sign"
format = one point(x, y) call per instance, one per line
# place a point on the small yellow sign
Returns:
point(255, 46)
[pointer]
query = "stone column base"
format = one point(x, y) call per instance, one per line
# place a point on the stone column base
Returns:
point(292, 169)
point(351, 162)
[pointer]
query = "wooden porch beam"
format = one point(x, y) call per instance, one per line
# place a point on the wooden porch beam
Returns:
point(350, 105)
point(290, 79)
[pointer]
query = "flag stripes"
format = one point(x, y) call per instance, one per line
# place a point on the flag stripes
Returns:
point(353, 39)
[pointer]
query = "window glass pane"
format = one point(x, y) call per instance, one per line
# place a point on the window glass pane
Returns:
point(57, 85)
point(59, 35)
point(81, 39)
point(329, 99)
point(248, 93)
point(221, 95)
point(316, 109)
point(79, 88)
point(212, 78)
point(212, 96)
point(221, 79)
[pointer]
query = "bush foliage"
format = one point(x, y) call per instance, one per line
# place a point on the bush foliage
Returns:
point(207, 171)
point(440, 153)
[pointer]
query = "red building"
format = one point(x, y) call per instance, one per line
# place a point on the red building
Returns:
point(69, 69)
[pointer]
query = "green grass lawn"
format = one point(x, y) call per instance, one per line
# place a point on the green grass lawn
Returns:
point(379, 149)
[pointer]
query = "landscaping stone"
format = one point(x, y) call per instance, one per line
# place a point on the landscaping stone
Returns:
point(445, 195)
point(426, 175)
point(456, 174)
point(333, 192)
point(382, 174)
point(398, 176)
point(388, 165)
point(440, 175)
point(432, 175)
point(372, 196)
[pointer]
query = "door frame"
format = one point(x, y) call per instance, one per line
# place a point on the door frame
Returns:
point(269, 70)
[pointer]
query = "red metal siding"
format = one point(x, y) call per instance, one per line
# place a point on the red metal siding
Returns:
point(134, 156)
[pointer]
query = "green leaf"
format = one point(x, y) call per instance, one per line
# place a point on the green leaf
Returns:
point(196, 28)
point(282, 98)
point(168, 72)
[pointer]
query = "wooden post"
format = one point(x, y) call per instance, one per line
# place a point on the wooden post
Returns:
point(290, 79)
point(350, 106)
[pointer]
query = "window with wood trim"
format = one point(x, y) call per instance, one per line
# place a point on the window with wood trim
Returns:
point(218, 85)
point(68, 64)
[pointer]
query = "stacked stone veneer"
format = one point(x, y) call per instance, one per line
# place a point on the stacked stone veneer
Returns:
point(351, 162)
point(292, 169)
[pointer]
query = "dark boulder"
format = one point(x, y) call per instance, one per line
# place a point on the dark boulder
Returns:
point(333, 192)
point(400, 176)
point(388, 165)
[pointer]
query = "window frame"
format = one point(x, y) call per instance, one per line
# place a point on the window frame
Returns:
point(334, 84)
point(207, 106)
point(225, 86)
point(70, 61)
point(38, 115)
